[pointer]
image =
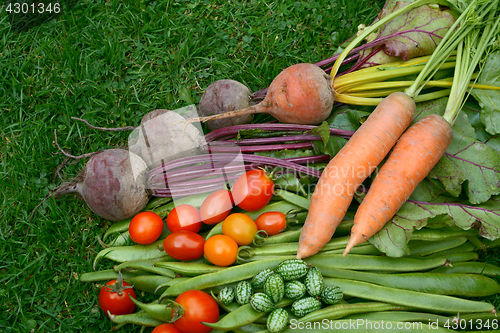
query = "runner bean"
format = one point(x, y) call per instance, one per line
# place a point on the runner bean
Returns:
point(470, 267)
point(278, 206)
point(472, 285)
point(430, 302)
point(228, 275)
point(439, 234)
point(457, 257)
point(156, 310)
point(293, 198)
point(189, 268)
point(107, 274)
point(138, 318)
point(148, 283)
point(402, 316)
point(426, 248)
point(375, 263)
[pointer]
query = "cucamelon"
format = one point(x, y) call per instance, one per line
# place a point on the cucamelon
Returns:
point(292, 269)
point(277, 320)
point(259, 279)
point(261, 302)
point(274, 287)
point(244, 291)
point(314, 282)
point(305, 306)
point(331, 295)
point(226, 295)
point(295, 290)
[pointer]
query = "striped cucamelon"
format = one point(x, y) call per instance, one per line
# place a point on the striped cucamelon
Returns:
point(305, 306)
point(261, 302)
point(259, 279)
point(292, 269)
point(277, 320)
point(331, 295)
point(295, 290)
point(226, 295)
point(314, 282)
point(244, 291)
point(274, 287)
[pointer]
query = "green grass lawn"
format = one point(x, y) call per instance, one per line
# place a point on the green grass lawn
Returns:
point(111, 62)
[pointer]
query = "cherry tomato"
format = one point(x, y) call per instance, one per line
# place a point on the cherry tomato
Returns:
point(240, 227)
point(145, 228)
point(114, 297)
point(184, 245)
point(216, 207)
point(221, 250)
point(271, 222)
point(166, 328)
point(252, 190)
point(184, 217)
point(198, 307)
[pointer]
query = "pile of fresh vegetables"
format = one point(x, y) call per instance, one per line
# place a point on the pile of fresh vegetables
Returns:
point(373, 216)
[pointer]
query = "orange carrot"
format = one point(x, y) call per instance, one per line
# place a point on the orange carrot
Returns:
point(350, 167)
point(414, 155)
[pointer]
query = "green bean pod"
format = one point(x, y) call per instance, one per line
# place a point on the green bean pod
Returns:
point(402, 316)
point(137, 318)
point(375, 263)
point(170, 283)
point(474, 321)
point(440, 234)
point(471, 285)
point(470, 267)
point(364, 248)
point(188, 268)
point(145, 265)
point(107, 274)
point(148, 283)
point(430, 302)
point(278, 206)
point(244, 315)
point(457, 257)
point(250, 328)
point(133, 252)
point(466, 247)
point(293, 198)
point(491, 244)
point(156, 202)
point(216, 230)
point(427, 248)
point(228, 275)
point(338, 311)
point(159, 311)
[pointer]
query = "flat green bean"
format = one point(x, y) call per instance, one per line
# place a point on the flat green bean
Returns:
point(457, 257)
point(189, 269)
point(133, 252)
point(288, 236)
point(244, 315)
point(474, 320)
point(466, 247)
point(228, 275)
point(470, 267)
point(293, 198)
point(250, 328)
point(427, 248)
point(216, 230)
point(138, 318)
point(148, 283)
point(171, 282)
point(430, 302)
point(402, 316)
point(146, 265)
point(278, 206)
point(479, 245)
point(491, 244)
point(156, 310)
point(375, 263)
point(363, 248)
point(471, 285)
point(107, 274)
point(428, 234)
point(156, 202)
point(338, 311)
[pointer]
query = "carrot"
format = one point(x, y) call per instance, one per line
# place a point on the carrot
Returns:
point(414, 155)
point(300, 94)
point(350, 167)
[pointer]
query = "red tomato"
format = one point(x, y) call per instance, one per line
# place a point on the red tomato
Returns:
point(221, 250)
point(271, 222)
point(198, 307)
point(145, 228)
point(216, 207)
point(252, 190)
point(184, 245)
point(166, 328)
point(184, 217)
point(114, 297)
point(239, 227)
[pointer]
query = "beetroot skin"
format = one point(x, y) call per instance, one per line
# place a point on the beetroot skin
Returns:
point(223, 96)
point(113, 184)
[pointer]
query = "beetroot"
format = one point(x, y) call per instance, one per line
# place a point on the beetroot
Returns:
point(163, 136)
point(113, 184)
point(223, 96)
point(300, 94)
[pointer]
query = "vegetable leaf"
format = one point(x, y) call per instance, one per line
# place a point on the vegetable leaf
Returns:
point(489, 100)
point(415, 33)
point(393, 238)
point(323, 131)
